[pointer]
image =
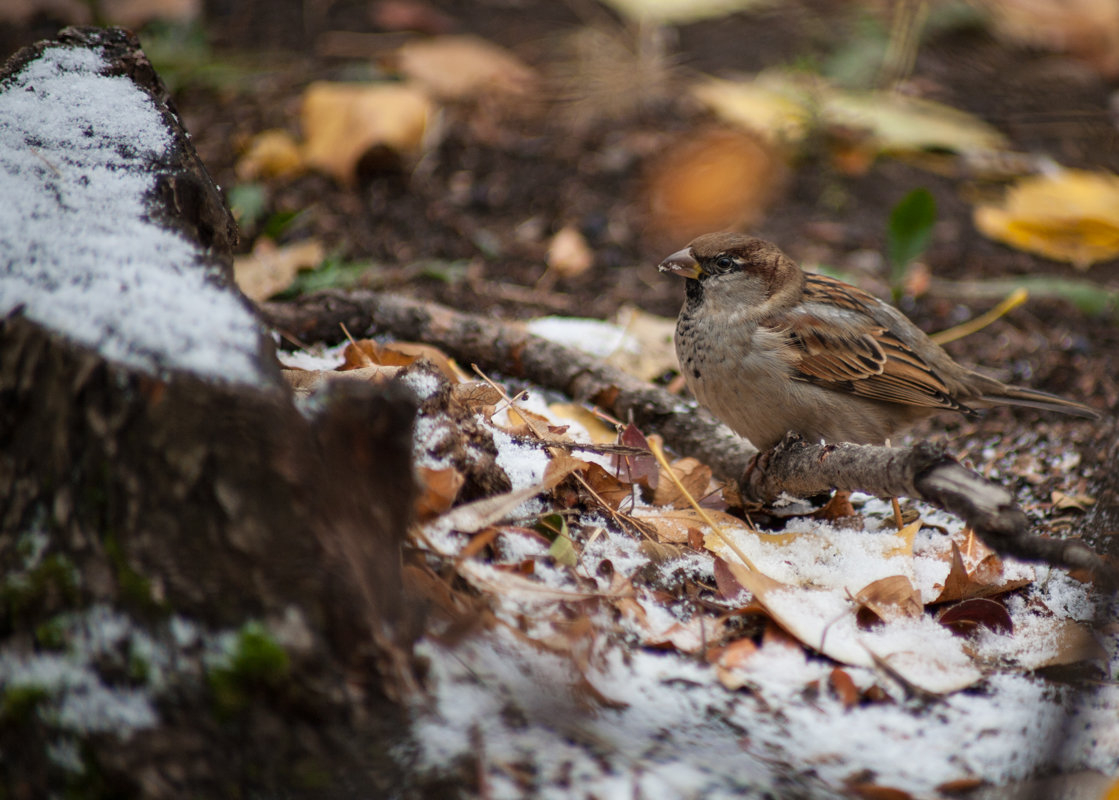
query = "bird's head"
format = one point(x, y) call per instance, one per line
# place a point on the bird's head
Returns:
point(751, 269)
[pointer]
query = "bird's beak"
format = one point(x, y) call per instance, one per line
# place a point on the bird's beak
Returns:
point(681, 263)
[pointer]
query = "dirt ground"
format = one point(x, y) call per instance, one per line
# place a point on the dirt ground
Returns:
point(480, 208)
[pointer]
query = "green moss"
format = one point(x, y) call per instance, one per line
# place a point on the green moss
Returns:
point(135, 590)
point(53, 582)
point(257, 664)
point(51, 635)
point(139, 670)
point(20, 702)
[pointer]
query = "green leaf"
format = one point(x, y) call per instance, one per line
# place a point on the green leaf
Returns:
point(554, 526)
point(908, 232)
point(248, 202)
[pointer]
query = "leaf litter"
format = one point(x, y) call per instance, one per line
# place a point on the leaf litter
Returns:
point(605, 640)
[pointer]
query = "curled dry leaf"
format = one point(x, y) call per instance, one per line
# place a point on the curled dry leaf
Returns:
point(891, 598)
point(366, 352)
point(1070, 216)
point(342, 121)
point(438, 490)
point(964, 617)
point(269, 269)
point(458, 67)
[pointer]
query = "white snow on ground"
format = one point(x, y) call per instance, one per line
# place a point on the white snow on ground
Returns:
point(77, 251)
point(670, 728)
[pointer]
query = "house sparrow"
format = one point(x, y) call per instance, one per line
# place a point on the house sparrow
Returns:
point(769, 348)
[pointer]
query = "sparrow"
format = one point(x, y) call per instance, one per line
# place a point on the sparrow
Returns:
point(769, 348)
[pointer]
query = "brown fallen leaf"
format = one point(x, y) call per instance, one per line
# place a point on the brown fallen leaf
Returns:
point(270, 154)
point(367, 352)
point(694, 475)
point(607, 487)
point(966, 616)
point(890, 598)
point(458, 67)
point(730, 656)
point(674, 525)
point(306, 382)
point(843, 685)
point(438, 490)
point(269, 269)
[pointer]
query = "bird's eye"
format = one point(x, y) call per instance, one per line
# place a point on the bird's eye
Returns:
point(724, 262)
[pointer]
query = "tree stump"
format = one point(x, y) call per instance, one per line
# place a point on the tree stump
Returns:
point(159, 489)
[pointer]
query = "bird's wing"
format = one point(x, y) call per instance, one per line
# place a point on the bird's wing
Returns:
point(840, 338)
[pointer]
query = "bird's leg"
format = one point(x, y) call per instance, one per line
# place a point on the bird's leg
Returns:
point(894, 502)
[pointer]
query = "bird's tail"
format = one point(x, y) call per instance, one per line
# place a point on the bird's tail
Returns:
point(1032, 398)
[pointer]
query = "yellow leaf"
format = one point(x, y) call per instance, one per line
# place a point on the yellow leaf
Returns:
point(1071, 216)
point(904, 537)
point(599, 431)
point(341, 121)
point(270, 154)
point(780, 107)
point(770, 105)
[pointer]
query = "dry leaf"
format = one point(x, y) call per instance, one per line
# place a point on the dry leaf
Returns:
point(695, 477)
point(569, 254)
point(269, 269)
point(1070, 216)
point(733, 655)
point(438, 490)
point(779, 105)
point(270, 154)
point(341, 121)
point(673, 525)
point(1088, 29)
point(653, 334)
point(711, 180)
point(305, 382)
point(841, 682)
point(966, 616)
point(823, 620)
point(457, 67)
point(599, 431)
point(367, 352)
point(1071, 502)
point(607, 487)
point(890, 598)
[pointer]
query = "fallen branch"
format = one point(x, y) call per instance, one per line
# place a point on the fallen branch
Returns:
point(924, 472)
